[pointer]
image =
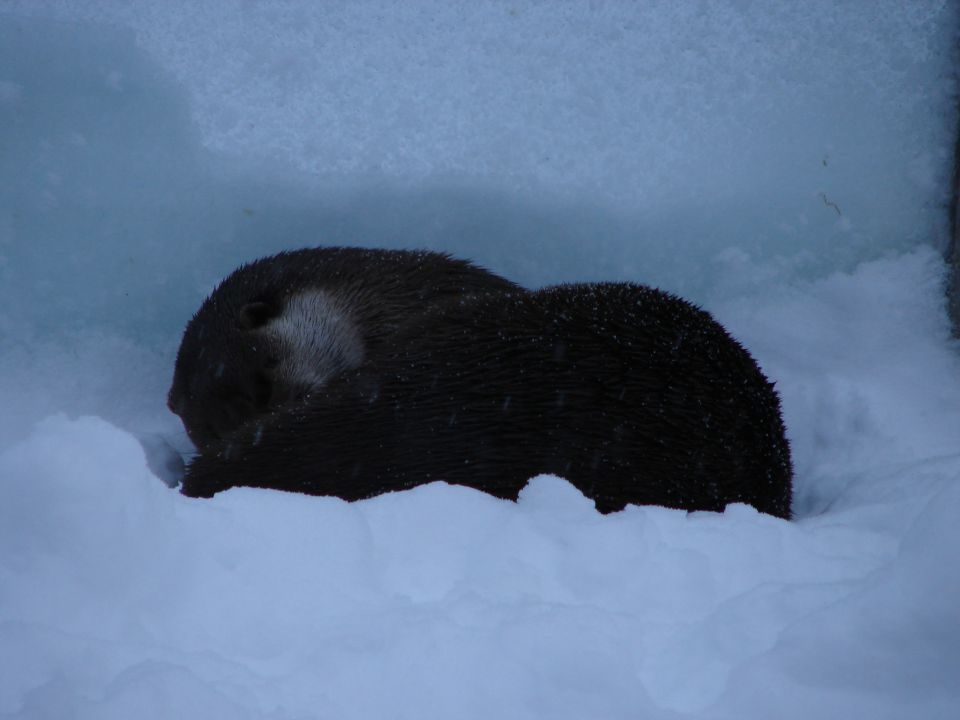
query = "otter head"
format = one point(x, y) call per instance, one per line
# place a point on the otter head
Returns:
point(239, 361)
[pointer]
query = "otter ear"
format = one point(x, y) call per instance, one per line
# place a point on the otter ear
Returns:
point(256, 314)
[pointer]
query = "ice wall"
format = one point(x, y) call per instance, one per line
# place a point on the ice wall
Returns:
point(713, 149)
point(653, 141)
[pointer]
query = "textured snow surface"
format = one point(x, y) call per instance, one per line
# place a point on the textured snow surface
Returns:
point(784, 164)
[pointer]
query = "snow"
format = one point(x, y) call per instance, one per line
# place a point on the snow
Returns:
point(147, 149)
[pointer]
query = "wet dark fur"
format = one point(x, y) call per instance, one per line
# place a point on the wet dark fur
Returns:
point(227, 368)
point(633, 395)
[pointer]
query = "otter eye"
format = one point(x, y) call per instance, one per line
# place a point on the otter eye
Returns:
point(257, 313)
point(262, 389)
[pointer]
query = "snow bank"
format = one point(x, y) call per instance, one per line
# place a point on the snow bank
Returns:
point(444, 602)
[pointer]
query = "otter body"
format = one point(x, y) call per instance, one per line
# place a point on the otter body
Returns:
point(631, 394)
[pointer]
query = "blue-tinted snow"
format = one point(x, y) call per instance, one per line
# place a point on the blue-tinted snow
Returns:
point(783, 163)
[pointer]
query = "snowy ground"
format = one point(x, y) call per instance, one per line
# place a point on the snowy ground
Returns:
point(784, 167)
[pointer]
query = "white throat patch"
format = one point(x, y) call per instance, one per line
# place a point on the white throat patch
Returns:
point(317, 337)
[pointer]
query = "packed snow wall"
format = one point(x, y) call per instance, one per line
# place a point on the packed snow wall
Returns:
point(705, 149)
point(147, 151)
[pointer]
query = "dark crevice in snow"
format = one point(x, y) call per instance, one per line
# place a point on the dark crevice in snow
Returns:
point(953, 253)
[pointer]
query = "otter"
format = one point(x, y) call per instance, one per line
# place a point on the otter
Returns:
point(282, 326)
point(633, 395)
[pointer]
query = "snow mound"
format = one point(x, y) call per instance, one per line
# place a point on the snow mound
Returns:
point(454, 603)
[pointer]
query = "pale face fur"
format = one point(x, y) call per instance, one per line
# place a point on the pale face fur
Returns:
point(317, 339)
